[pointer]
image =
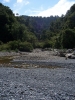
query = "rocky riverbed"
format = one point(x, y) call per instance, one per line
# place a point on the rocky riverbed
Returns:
point(37, 76)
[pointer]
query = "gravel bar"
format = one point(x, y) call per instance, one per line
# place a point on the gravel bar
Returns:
point(37, 84)
point(70, 63)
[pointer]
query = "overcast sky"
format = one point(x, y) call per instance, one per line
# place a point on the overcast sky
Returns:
point(42, 8)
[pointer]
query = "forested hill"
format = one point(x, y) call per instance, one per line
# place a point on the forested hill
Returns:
point(64, 27)
point(27, 32)
point(39, 23)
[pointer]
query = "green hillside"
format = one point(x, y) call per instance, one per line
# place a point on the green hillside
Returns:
point(26, 32)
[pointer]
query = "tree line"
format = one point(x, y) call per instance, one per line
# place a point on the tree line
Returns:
point(25, 33)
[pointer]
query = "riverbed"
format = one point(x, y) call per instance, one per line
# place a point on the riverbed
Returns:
point(37, 76)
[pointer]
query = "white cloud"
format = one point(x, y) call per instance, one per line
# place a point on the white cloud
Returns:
point(34, 12)
point(19, 5)
point(31, 12)
point(60, 8)
point(19, 1)
point(4, 1)
point(27, 3)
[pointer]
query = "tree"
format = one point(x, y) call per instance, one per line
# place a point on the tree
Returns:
point(68, 38)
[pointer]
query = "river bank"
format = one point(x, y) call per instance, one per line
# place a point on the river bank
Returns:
point(37, 58)
point(37, 76)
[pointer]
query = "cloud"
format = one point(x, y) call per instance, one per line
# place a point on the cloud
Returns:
point(4, 1)
point(31, 12)
point(34, 12)
point(19, 5)
point(19, 1)
point(60, 8)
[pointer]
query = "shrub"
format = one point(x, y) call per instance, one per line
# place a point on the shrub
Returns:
point(26, 46)
point(47, 44)
point(4, 47)
point(13, 45)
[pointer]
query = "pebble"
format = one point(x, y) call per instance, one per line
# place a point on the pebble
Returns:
point(46, 86)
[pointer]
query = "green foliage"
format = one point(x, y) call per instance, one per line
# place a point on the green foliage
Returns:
point(64, 30)
point(6, 20)
point(25, 33)
point(68, 38)
point(47, 44)
point(26, 46)
point(4, 47)
point(11, 27)
point(40, 45)
point(38, 24)
point(71, 21)
point(18, 45)
point(13, 45)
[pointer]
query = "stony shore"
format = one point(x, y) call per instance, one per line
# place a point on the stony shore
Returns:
point(47, 77)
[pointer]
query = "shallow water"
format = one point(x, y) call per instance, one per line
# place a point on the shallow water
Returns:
point(5, 60)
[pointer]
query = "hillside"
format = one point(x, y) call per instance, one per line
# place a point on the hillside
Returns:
point(40, 23)
point(27, 32)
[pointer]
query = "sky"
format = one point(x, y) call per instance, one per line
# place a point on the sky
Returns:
point(44, 8)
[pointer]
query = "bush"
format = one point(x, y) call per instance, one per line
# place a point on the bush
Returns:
point(26, 46)
point(47, 44)
point(22, 46)
point(13, 45)
point(39, 45)
point(4, 47)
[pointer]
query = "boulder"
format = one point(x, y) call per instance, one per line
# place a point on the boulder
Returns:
point(70, 55)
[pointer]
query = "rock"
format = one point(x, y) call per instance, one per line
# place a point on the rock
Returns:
point(70, 55)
